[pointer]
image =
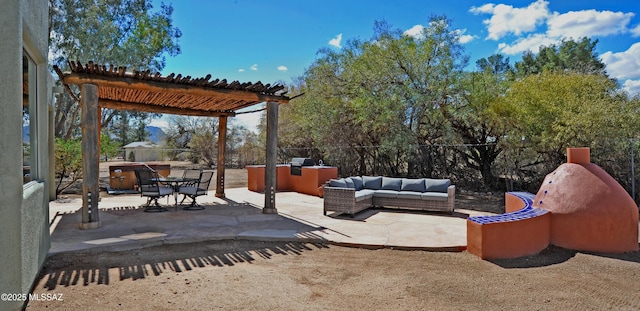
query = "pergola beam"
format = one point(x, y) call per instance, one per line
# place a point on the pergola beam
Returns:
point(164, 87)
point(121, 105)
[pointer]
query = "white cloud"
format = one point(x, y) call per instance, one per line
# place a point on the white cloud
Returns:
point(466, 38)
point(506, 19)
point(531, 43)
point(524, 22)
point(636, 31)
point(283, 68)
point(632, 87)
point(254, 67)
point(161, 123)
point(587, 23)
point(623, 65)
point(484, 9)
point(241, 70)
point(336, 41)
point(462, 37)
point(415, 32)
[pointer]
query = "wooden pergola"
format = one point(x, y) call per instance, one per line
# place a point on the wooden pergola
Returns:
point(115, 88)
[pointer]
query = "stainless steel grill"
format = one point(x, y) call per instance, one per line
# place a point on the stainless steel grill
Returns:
point(298, 163)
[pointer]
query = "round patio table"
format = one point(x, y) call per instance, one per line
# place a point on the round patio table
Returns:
point(175, 183)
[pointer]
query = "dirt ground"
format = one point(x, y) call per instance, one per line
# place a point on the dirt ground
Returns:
point(244, 275)
point(234, 178)
point(252, 275)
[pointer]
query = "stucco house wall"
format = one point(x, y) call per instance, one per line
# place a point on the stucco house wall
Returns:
point(24, 207)
point(143, 151)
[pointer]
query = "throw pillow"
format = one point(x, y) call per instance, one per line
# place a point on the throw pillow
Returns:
point(357, 182)
point(371, 182)
point(340, 183)
point(350, 183)
point(389, 183)
point(410, 184)
point(437, 185)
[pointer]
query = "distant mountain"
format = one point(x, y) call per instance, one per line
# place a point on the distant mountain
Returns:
point(156, 134)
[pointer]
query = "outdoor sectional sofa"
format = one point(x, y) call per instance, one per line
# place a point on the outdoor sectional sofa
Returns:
point(354, 194)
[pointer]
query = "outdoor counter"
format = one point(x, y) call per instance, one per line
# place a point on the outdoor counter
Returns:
point(312, 178)
point(123, 176)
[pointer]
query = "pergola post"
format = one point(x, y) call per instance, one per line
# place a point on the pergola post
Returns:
point(272, 154)
point(222, 143)
point(90, 156)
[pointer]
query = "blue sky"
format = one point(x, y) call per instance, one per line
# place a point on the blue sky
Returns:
point(271, 41)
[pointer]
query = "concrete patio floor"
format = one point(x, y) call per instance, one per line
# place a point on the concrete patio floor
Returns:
point(125, 226)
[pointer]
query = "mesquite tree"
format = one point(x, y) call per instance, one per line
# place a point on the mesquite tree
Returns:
point(119, 32)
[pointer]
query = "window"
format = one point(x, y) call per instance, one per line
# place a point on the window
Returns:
point(29, 121)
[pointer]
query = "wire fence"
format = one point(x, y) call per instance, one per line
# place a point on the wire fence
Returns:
point(521, 168)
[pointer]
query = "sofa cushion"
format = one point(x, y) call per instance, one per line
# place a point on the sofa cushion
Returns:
point(434, 196)
point(357, 182)
point(410, 195)
point(386, 194)
point(413, 184)
point(390, 183)
point(350, 183)
point(371, 182)
point(364, 194)
point(340, 183)
point(436, 185)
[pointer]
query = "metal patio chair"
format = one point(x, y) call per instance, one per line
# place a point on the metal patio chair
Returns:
point(191, 173)
point(149, 187)
point(195, 189)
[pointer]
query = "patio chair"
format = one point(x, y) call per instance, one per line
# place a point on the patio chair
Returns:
point(191, 173)
point(149, 187)
point(194, 189)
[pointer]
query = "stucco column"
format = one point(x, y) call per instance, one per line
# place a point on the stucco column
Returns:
point(90, 156)
point(272, 154)
point(222, 143)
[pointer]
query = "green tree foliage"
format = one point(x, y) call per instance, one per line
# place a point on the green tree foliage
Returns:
point(249, 150)
point(186, 133)
point(375, 106)
point(390, 105)
point(568, 56)
point(295, 129)
point(496, 65)
point(196, 139)
point(471, 117)
point(68, 166)
point(128, 127)
point(550, 112)
point(120, 32)
point(204, 142)
point(108, 147)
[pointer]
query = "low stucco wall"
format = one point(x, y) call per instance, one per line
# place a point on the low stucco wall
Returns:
point(35, 240)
